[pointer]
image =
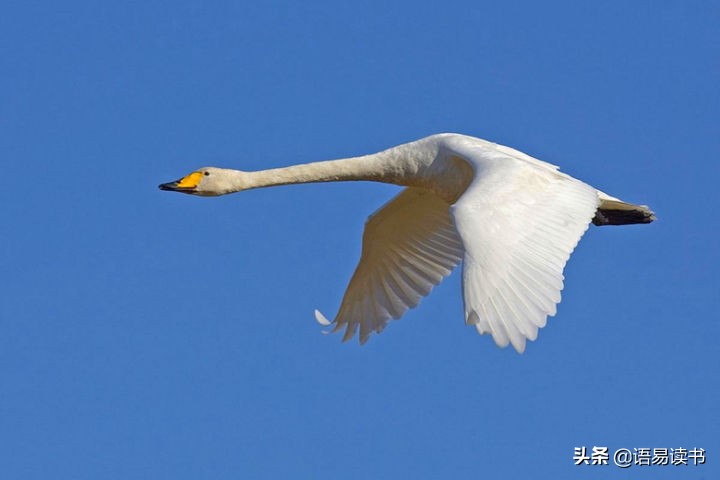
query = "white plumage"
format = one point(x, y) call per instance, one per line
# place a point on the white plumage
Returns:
point(511, 219)
point(409, 246)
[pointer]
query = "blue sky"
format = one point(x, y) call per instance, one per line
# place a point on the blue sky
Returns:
point(145, 334)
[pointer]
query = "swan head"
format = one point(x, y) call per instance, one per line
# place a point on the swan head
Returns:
point(208, 182)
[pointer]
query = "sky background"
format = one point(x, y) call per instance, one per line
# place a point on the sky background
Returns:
point(146, 334)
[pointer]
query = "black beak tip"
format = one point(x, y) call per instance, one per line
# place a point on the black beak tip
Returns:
point(173, 187)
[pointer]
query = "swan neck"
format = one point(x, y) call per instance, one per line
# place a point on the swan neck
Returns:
point(384, 167)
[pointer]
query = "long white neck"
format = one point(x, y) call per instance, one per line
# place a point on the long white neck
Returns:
point(390, 166)
point(417, 164)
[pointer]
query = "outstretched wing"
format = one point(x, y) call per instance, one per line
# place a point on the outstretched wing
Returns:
point(409, 246)
point(519, 220)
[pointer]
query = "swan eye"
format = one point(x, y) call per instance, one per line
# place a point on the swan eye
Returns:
point(207, 174)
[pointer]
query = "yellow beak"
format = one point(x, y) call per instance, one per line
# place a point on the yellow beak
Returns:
point(186, 184)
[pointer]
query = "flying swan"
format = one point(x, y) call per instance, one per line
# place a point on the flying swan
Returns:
point(511, 219)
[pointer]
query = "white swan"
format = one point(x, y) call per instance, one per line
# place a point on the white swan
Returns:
point(511, 219)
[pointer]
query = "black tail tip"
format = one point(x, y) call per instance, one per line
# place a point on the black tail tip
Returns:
point(611, 216)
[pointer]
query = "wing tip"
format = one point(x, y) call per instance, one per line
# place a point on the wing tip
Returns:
point(501, 339)
point(321, 319)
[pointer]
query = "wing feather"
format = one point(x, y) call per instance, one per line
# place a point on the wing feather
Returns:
point(519, 222)
point(409, 246)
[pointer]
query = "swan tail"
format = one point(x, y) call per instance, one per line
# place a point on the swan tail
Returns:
point(616, 212)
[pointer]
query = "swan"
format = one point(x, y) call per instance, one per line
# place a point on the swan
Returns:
point(512, 220)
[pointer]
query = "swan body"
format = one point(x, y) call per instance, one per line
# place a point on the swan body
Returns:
point(512, 221)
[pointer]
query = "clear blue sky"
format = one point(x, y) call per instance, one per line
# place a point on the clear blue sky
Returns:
point(145, 334)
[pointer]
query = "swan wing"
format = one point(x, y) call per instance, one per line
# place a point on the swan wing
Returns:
point(519, 221)
point(409, 246)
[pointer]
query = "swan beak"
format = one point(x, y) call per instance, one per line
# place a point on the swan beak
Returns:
point(175, 187)
point(186, 184)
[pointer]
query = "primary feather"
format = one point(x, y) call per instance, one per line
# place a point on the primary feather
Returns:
point(409, 246)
